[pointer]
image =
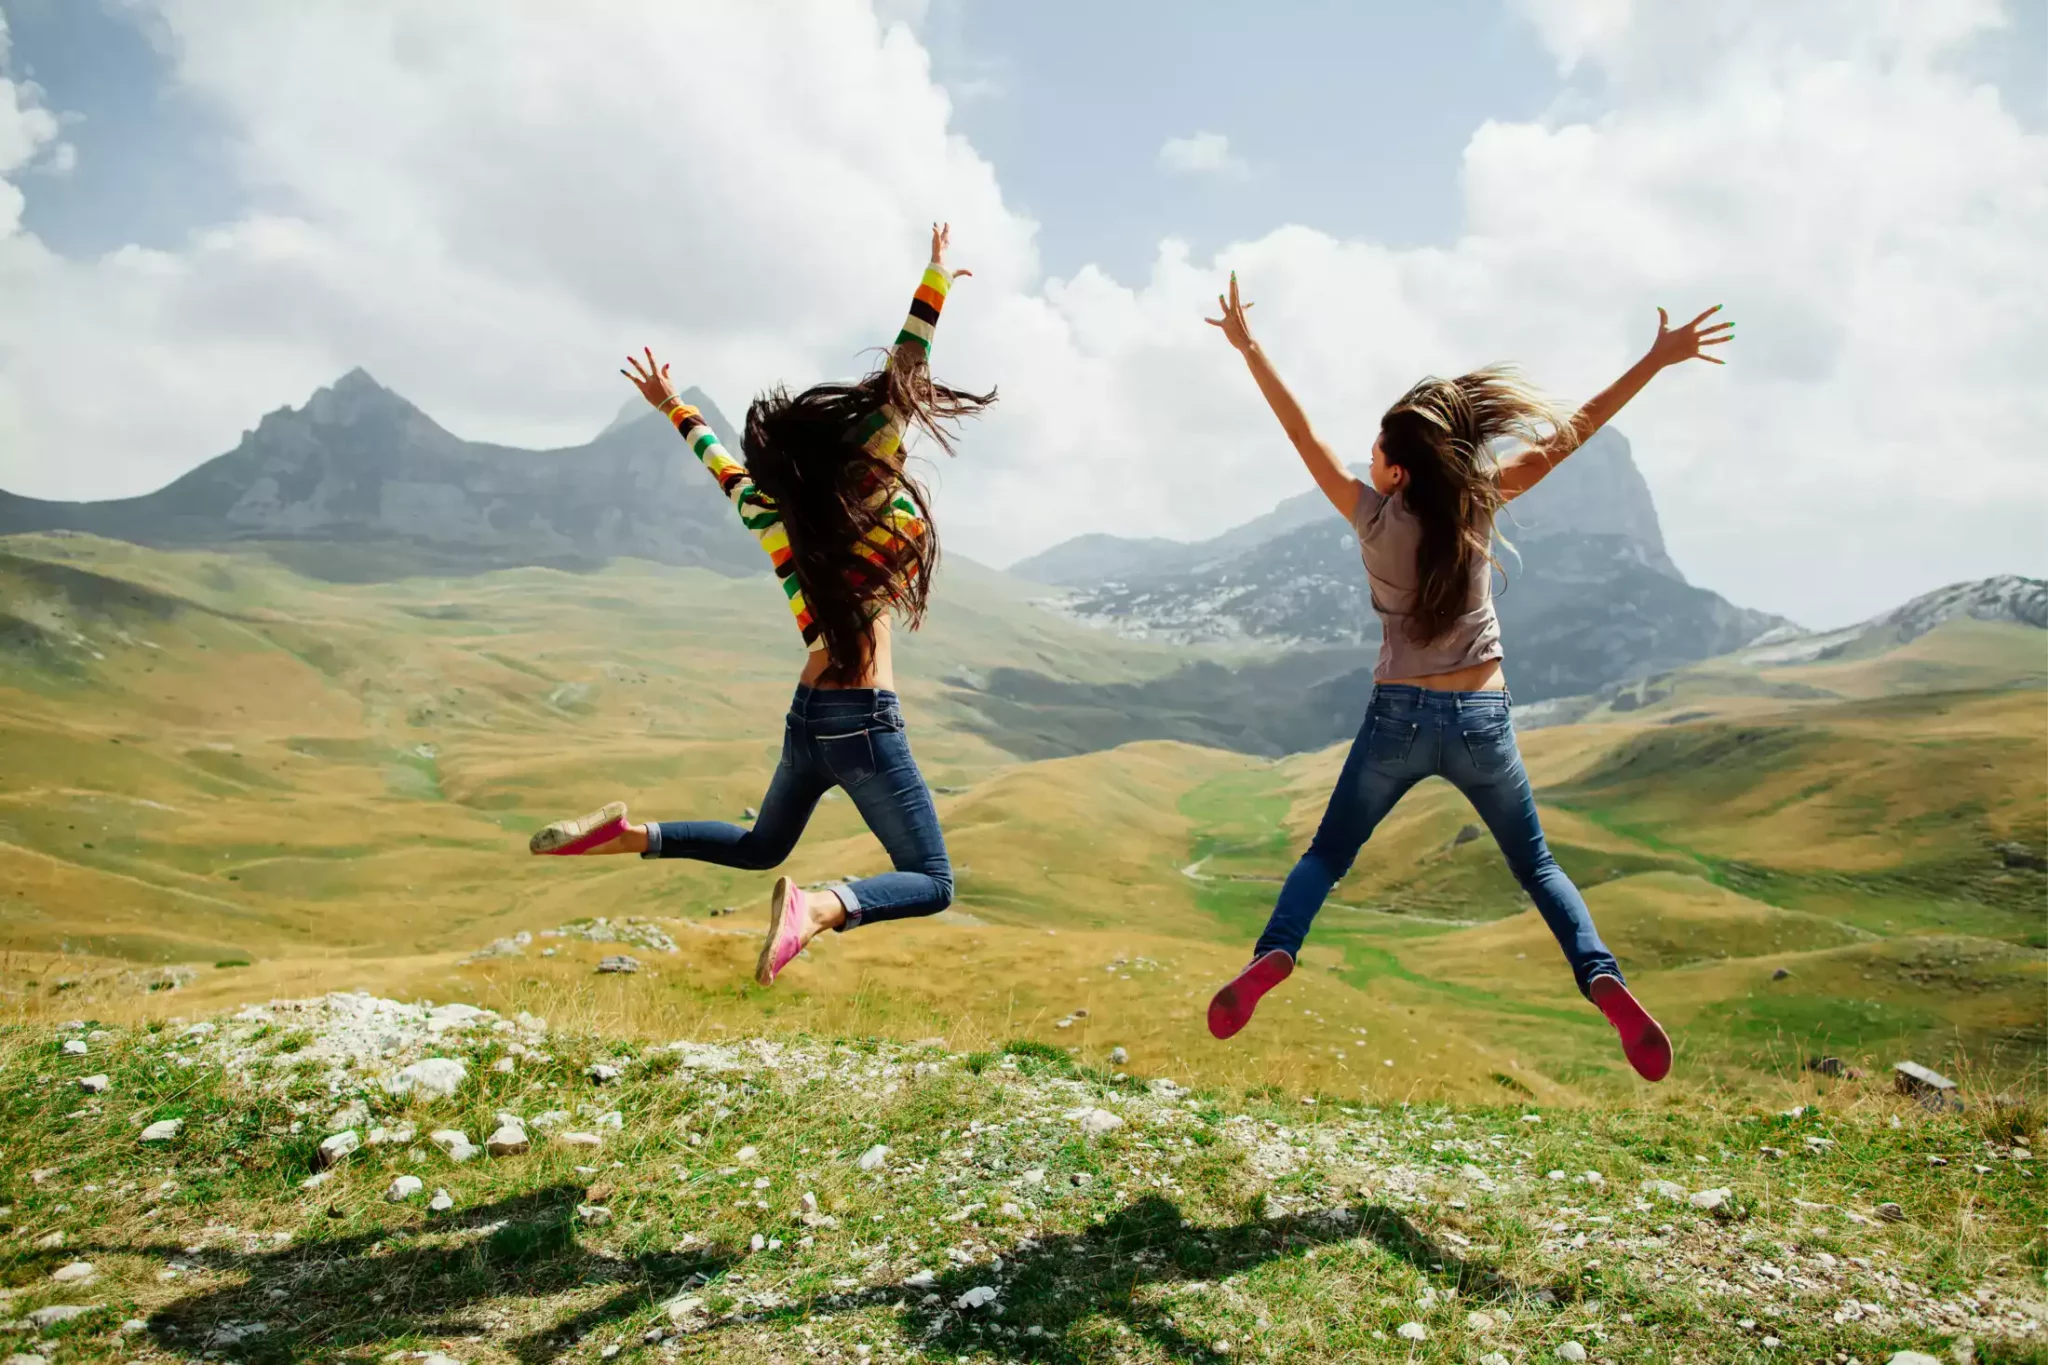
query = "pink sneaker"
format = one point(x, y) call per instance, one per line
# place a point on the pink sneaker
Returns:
point(567, 838)
point(785, 931)
point(1232, 1008)
point(1643, 1040)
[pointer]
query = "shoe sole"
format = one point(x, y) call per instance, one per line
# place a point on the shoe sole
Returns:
point(1232, 1007)
point(765, 970)
point(568, 837)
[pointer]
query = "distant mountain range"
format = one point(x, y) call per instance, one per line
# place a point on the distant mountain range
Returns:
point(1590, 594)
point(359, 484)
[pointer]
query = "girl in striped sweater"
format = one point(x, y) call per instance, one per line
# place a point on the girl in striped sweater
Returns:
point(847, 528)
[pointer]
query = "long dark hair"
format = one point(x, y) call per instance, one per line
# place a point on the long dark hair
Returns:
point(1442, 432)
point(809, 452)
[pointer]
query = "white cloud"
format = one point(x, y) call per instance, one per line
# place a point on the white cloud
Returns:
point(486, 207)
point(1201, 154)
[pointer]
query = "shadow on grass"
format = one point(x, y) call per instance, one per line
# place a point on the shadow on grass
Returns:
point(324, 1298)
point(1073, 1286)
point(327, 1298)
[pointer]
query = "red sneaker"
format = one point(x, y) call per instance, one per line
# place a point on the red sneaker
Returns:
point(1643, 1040)
point(1232, 1008)
point(567, 838)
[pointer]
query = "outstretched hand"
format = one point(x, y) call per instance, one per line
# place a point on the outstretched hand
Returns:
point(652, 380)
point(1676, 344)
point(1236, 330)
point(942, 237)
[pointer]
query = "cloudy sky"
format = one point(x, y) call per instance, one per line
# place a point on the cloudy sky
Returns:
point(209, 208)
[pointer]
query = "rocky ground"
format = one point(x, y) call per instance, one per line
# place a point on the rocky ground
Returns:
point(357, 1178)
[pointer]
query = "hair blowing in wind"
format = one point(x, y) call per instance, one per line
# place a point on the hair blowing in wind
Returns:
point(1442, 433)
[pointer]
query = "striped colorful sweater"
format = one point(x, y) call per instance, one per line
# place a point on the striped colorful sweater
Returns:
point(883, 435)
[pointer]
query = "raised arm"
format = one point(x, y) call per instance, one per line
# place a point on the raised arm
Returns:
point(757, 512)
point(1524, 469)
point(913, 346)
point(1339, 484)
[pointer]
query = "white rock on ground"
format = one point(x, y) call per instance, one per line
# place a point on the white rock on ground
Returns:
point(457, 1145)
point(163, 1130)
point(1664, 1189)
point(24, 1358)
point(596, 1215)
point(71, 1274)
point(74, 1047)
point(336, 1146)
point(441, 1202)
point(604, 1073)
point(1117, 1056)
point(874, 1156)
point(980, 1296)
point(1913, 1358)
point(1494, 1358)
point(582, 1139)
point(393, 1137)
point(316, 1180)
point(404, 1188)
point(93, 1085)
point(1412, 1331)
point(61, 1312)
point(435, 1077)
point(509, 1140)
point(1571, 1350)
point(1096, 1122)
point(1710, 1200)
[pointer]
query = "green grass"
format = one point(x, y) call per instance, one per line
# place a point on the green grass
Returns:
point(1290, 1231)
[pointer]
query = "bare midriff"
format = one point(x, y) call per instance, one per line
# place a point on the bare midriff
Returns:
point(879, 671)
point(1482, 677)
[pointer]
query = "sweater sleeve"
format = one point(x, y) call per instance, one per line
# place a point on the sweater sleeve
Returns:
point(883, 432)
point(757, 511)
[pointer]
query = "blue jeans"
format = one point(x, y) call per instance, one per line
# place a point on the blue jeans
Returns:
point(1466, 738)
point(851, 738)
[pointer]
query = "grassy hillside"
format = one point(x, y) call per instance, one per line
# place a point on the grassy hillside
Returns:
point(214, 761)
point(789, 1198)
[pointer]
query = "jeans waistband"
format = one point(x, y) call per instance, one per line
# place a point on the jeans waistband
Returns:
point(1407, 694)
point(841, 701)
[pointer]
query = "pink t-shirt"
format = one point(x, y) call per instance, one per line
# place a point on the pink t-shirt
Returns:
point(1388, 537)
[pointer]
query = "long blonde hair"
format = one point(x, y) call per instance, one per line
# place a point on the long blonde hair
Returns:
point(1442, 433)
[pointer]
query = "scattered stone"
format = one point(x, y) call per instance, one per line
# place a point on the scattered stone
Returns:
point(505, 1066)
point(163, 1130)
point(1465, 835)
point(24, 1358)
point(1117, 1056)
point(435, 1077)
point(1828, 1066)
point(334, 1148)
point(619, 962)
point(62, 1312)
point(1912, 1358)
point(392, 1137)
point(50, 1241)
point(1479, 1322)
point(441, 1202)
point(509, 1140)
point(74, 1047)
point(1412, 1331)
point(1571, 1350)
point(1665, 1189)
point(747, 1156)
point(680, 1308)
point(604, 1073)
point(1096, 1122)
point(93, 1085)
point(2020, 856)
point(1932, 1089)
point(923, 1279)
point(980, 1296)
point(438, 1358)
point(874, 1156)
point(1781, 973)
point(1771, 1153)
point(404, 1188)
point(316, 1180)
point(1890, 1213)
point(455, 1144)
point(1494, 1358)
point(595, 1215)
point(73, 1273)
point(134, 1325)
point(582, 1139)
point(1713, 1201)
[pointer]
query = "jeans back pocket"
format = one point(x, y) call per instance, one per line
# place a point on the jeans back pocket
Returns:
point(1491, 744)
point(1388, 742)
point(849, 756)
